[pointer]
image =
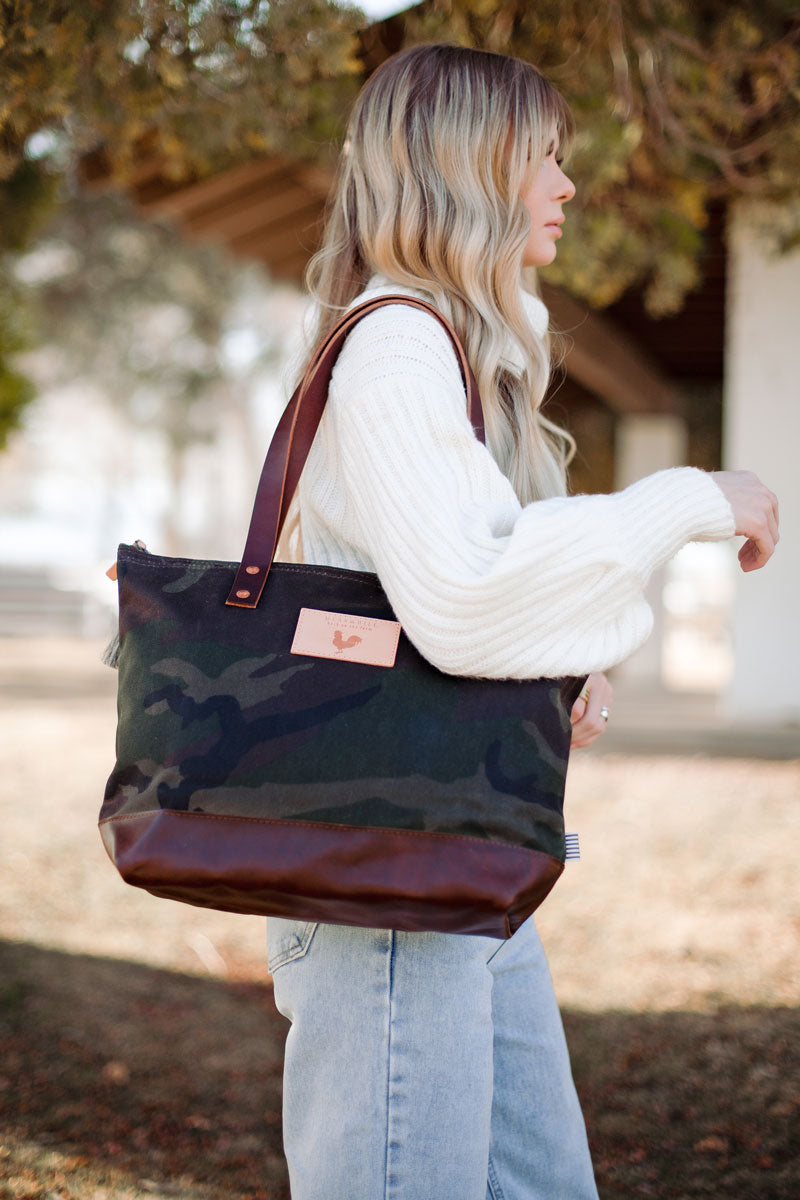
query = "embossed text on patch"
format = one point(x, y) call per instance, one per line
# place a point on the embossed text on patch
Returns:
point(347, 636)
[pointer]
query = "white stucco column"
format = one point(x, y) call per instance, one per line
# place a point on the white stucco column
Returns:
point(645, 443)
point(761, 433)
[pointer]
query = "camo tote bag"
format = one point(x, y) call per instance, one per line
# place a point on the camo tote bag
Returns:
point(283, 749)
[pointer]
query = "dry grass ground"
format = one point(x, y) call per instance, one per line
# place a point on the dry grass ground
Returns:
point(140, 1052)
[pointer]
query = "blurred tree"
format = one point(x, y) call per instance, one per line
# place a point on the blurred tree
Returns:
point(199, 84)
point(142, 317)
point(25, 200)
point(196, 82)
point(677, 102)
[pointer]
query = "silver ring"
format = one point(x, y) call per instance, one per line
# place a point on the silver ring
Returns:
point(604, 713)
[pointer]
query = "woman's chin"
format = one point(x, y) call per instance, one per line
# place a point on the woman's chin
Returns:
point(542, 260)
point(540, 255)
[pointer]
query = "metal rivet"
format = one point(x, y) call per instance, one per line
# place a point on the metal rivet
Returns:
point(252, 570)
point(242, 594)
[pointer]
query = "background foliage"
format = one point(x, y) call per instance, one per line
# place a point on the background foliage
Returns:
point(679, 103)
point(199, 84)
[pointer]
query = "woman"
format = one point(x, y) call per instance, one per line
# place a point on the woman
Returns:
point(431, 1066)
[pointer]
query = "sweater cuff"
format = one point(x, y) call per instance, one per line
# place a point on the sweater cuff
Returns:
point(669, 509)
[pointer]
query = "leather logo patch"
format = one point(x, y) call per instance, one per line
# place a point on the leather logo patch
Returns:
point(346, 635)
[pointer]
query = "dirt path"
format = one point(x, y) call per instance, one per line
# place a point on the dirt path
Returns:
point(140, 1052)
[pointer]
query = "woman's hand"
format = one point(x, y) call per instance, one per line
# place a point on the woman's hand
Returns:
point(755, 511)
point(587, 723)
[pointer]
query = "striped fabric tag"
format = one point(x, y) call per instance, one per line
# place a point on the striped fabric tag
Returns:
point(573, 847)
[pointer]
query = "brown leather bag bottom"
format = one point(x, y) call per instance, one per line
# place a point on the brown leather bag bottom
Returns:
point(468, 884)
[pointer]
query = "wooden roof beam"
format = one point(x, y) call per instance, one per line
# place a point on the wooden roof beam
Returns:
point(257, 211)
point(607, 362)
point(296, 233)
point(94, 171)
point(289, 266)
point(183, 199)
point(317, 179)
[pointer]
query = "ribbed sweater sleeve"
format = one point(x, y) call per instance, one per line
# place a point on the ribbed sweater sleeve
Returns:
point(482, 585)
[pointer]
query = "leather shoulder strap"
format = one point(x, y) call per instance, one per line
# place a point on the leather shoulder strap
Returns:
point(292, 440)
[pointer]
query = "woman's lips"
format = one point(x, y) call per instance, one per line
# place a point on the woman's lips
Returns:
point(555, 228)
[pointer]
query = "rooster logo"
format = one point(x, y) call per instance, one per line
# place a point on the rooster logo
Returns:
point(340, 643)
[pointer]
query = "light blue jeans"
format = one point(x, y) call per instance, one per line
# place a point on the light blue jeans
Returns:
point(424, 1066)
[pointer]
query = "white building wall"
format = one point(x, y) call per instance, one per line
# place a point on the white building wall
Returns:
point(761, 433)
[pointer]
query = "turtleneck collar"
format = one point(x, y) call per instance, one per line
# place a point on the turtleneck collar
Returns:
point(535, 309)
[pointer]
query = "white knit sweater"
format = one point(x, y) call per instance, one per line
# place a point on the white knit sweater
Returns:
point(397, 483)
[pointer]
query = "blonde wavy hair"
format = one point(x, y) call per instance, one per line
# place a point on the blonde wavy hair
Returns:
point(441, 145)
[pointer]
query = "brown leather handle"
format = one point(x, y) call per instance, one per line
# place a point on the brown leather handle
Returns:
point(292, 440)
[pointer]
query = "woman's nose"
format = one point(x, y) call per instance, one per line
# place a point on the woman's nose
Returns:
point(567, 189)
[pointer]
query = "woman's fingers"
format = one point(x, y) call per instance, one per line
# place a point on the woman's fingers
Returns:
point(588, 722)
point(755, 553)
point(760, 546)
point(755, 510)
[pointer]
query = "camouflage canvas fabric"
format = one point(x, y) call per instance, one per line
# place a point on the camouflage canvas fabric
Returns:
point(217, 716)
